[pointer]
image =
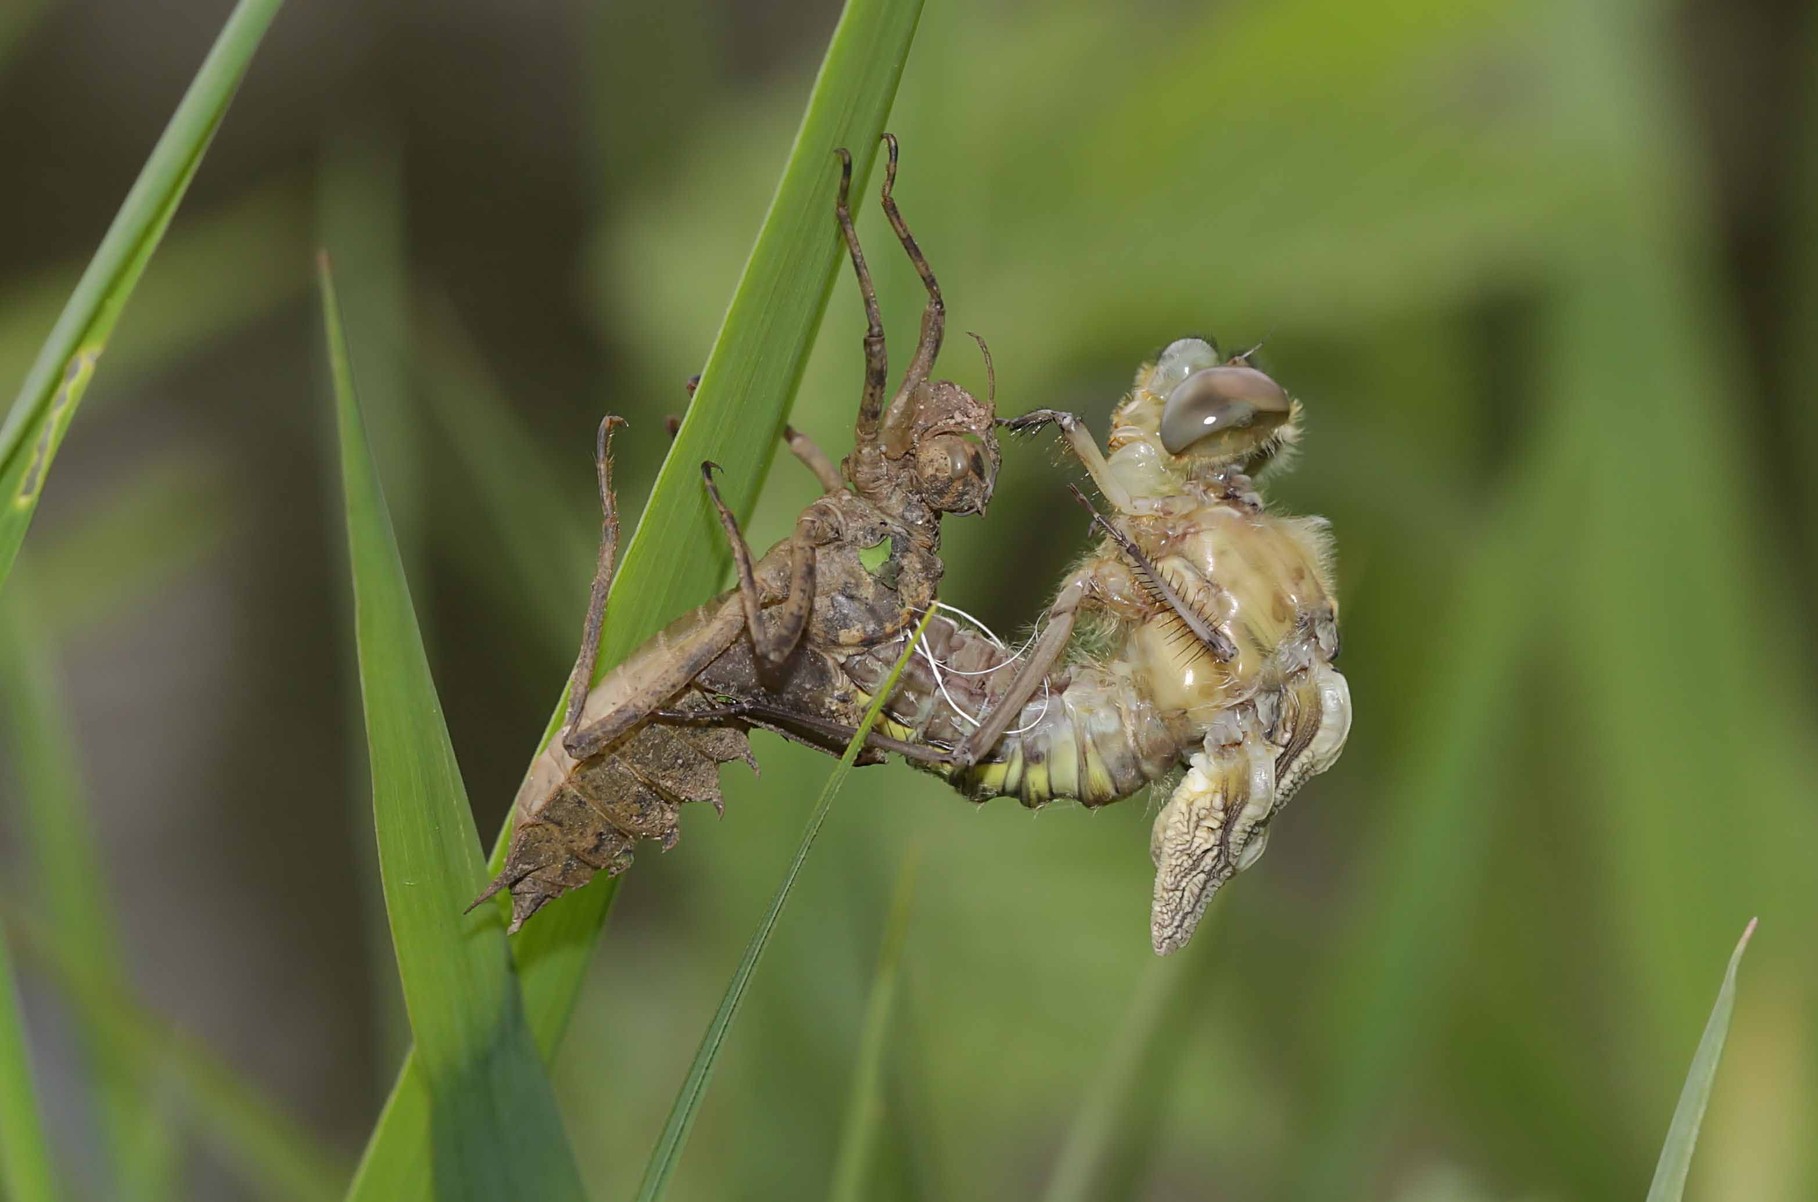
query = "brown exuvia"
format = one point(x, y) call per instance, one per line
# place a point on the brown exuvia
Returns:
point(785, 649)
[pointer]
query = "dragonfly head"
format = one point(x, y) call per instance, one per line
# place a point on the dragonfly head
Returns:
point(953, 449)
point(1213, 412)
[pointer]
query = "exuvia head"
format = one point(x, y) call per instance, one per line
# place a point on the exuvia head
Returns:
point(1219, 412)
point(955, 449)
point(952, 437)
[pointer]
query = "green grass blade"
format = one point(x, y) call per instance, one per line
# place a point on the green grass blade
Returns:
point(68, 882)
point(185, 300)
point(496, 1131)
point(35, 426)
point(270, 1149)
point(1676, 1154)
point(1421, 878)
point(25, 1160)
point(865, 1107)
point(361, 220)
point(676, 557)
point(668, 1150)
point(1118, 1109)
point(527, 525)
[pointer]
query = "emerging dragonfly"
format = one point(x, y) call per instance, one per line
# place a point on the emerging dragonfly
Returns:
point(1195, 641)
point(786, 645)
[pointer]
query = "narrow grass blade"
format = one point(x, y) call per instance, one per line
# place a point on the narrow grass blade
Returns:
point(185, 299)
point(35, 426)
point(676, 557)
point(1676, 1155)
point(865, 1106)
point(25, 1160)
point(1422, 877)
point(16, 20)
point(68, 881)
point(1119, 1106)
point(534, 533)
point(496, 1131)
point(360, 216)
point(271, 1150)
point(668, 1150)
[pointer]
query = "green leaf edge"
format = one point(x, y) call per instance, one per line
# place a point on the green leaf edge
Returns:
point(496, 1129)
point(847, 107)
point(53, 388)
point(1682, 1135)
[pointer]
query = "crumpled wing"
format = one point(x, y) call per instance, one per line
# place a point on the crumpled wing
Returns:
point(1210, 828)
point(1216, 822)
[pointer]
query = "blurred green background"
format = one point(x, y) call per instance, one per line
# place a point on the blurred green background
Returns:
point(1545, 276)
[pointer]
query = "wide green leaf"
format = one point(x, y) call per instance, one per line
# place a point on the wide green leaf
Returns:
point(360, 219)
point(677, 555)
point(1682, 1136)
point(35, 426)
point(496, 1132)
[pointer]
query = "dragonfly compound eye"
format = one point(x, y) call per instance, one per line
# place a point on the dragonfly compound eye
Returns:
point(1180, 359)
point(1221, 401)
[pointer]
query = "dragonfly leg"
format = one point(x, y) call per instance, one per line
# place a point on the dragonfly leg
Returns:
point(580, 680)
point(776, 632)
point(840, 733)
point(658, 681)
point(934, 316)
point(877, 361)
point(1079, 440)
point(1210, 637)
point(805, 449)
point(799, 444)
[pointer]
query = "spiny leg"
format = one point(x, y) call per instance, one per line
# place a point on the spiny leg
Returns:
point(773, 641)
point(1079, 439)
point(1209, 637)
point(877, 363)
point(582, 742)
point(581, 679)
point(934, 316)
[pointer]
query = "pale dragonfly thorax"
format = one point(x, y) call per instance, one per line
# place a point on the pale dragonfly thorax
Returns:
point(1254, 725)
